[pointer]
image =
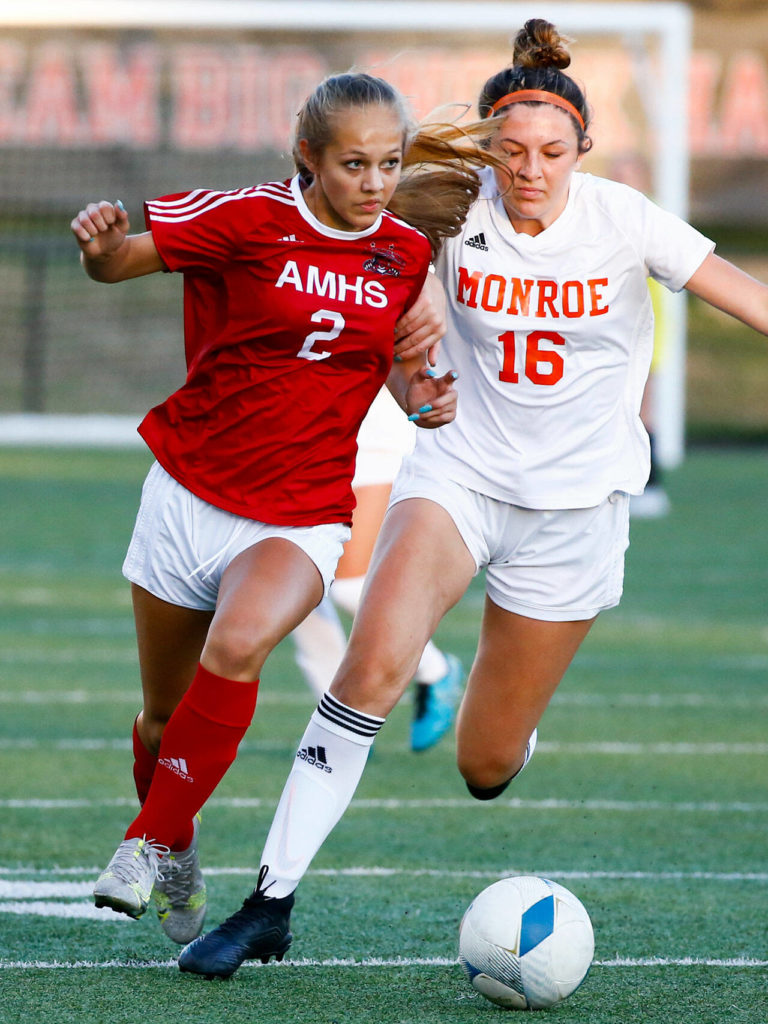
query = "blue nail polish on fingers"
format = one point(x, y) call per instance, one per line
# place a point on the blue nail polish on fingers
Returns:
point(119, 205)
point(431, 373)
point(454, 375)
point(398, 359)
point(413, 416)
point(426, 408)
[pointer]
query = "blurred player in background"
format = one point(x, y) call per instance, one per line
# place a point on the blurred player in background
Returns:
point(292, 292)
point(385, 437)
point(550, 325)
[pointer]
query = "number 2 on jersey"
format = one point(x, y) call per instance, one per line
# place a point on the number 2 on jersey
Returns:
point(337, 326)
point(542, 365)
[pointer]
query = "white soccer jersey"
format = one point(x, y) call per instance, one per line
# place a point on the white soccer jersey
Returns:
point(552, 336)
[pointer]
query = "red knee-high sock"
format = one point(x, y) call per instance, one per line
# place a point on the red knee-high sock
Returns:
point(144, 765)
point(199, 744)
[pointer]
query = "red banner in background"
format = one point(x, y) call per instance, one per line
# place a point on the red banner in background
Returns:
point(73, 93)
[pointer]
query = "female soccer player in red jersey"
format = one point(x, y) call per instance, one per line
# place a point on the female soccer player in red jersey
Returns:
point(551, 329)
point(292, 294)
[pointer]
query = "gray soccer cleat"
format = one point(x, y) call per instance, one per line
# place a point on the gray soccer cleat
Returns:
point(179, 894)
point(126, 883)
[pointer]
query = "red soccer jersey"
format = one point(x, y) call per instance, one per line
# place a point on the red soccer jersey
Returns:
point(289, 331)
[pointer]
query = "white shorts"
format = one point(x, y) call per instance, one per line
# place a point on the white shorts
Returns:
point(559, 565)
point(385, 436)
point(181, 545)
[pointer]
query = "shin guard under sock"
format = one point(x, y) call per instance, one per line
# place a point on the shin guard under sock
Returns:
point(199, 744)
point(330, 760)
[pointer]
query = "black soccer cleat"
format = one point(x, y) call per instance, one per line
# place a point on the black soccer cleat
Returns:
point(258, 931)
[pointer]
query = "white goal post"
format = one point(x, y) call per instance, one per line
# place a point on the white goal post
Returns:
point(658, 34)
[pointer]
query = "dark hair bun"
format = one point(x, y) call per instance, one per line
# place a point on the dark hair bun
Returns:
point(538, 44)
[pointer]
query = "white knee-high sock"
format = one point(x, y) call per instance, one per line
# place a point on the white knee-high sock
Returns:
point(346, 593)
point(433, 665)
point(320, 644)
point(329, 763)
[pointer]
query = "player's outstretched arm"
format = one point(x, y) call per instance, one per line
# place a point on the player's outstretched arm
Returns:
point(108, 253)
point(730, 289)
point(422, 326)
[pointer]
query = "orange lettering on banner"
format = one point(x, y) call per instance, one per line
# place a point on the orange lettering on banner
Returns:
point(423, 75)
point(11, 70)
point(608, 81)
point(705, 73)
point(246, 97)
point(292, 75)
point(74, 91)
point(122, 94)
point(51, 116)
point(744, 112)
point(200, 78)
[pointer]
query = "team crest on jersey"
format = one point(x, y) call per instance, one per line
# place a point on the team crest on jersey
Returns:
point(384, 261)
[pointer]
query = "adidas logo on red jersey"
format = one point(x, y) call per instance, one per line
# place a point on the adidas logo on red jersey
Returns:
point(477, 242)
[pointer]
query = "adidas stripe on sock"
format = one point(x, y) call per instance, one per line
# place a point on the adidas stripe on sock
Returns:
point(337, 714)
point(330, 760)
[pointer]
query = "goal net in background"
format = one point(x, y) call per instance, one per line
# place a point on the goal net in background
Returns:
point(135, 99)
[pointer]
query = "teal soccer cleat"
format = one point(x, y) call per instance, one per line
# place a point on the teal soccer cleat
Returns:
point(435, 706)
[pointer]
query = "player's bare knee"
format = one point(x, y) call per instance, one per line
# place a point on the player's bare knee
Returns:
point(373, 690)
point(485, 776)
point(235, 653)
point(488, 773)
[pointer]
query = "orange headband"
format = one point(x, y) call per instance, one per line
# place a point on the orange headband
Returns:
point(540, 96)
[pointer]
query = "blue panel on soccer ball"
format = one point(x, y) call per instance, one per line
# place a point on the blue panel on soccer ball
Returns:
point(471, 970)
point(538, 922)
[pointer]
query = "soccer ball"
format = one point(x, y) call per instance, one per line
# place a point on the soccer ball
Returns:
point(526, 943)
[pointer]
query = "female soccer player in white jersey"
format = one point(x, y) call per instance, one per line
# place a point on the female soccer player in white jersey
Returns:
point(292, 292)
point(550, 327)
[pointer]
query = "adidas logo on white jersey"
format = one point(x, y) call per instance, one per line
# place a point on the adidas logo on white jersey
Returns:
point(477, 242)
point(177, 765)
point(288, 238)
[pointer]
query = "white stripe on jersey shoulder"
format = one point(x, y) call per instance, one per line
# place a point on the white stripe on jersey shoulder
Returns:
point(403, 223)
point(201, 200)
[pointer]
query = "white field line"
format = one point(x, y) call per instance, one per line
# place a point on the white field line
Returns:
point(83, 696)
point(611, 749)
point(391, 804)
point(662, 701)
point(370, 962)
point(70, 911)
point(123, 649)
point(12, 888)
point(29, 899)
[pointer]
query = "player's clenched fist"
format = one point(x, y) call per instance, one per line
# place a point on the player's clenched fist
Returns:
point(100, 228)
point(108, 252)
